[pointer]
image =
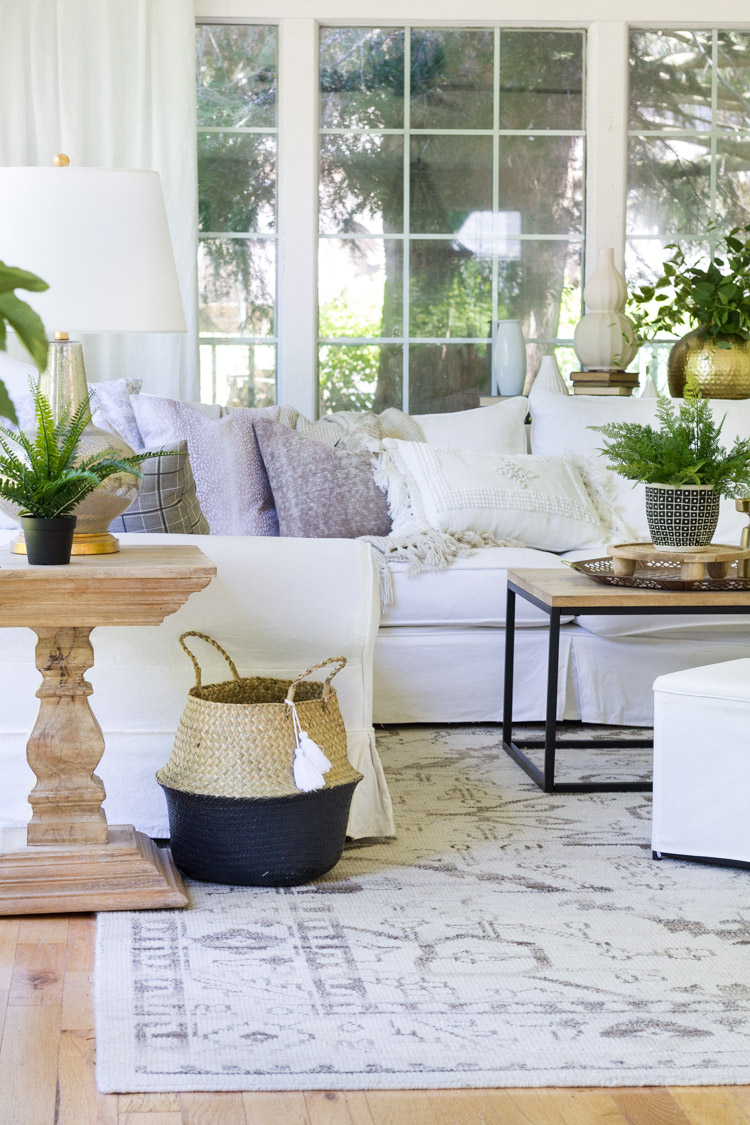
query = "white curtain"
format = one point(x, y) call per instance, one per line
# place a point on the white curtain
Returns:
point(112, 84)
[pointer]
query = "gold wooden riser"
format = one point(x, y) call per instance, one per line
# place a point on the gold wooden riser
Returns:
point(128, 873)
point(84, 543)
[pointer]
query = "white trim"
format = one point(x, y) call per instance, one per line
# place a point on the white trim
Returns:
point(578, 13)
point(297, 306)
point(607, 144)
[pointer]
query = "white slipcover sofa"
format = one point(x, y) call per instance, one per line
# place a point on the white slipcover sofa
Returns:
point(434, 655)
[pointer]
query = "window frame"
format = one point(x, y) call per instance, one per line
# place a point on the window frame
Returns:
point(606, 120)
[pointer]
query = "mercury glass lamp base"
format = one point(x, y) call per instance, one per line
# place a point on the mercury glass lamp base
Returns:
point(85, 543)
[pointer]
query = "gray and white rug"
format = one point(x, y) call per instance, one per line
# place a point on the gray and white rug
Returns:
point(506, 938)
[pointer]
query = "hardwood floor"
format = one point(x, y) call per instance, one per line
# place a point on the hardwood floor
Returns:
point(47, 1067)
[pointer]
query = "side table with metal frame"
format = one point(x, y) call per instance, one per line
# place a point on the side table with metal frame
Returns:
point(558, 592)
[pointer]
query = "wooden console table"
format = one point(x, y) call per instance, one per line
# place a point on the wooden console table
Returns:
point(69, 859)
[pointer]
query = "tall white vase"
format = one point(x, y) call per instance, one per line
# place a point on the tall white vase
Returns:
point(605, 339)
point(508, 358)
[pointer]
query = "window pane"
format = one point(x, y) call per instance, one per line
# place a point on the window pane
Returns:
point(542, 179)
point(237, 182)
point(669, 187)
point(450, 178)
point(539, 283)
point(733, 86)
point(733, 180)
point(670, 80)
point(236, 70)
point(237, 285)
point(362, 184)
point(362, 78)
point(360, 287)
point(645, 258)
point(541, 79)
point(451, 78)
point(238, 374)
point(451, 291)
point(355, 377)
point(445, 377)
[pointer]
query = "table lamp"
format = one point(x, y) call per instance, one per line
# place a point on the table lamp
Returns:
point(99, 238)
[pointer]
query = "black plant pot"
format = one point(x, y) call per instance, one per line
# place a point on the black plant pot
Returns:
point(48, 541)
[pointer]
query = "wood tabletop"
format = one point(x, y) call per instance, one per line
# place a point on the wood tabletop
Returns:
point(147, 561)
point(140, 585)
point(567, 589)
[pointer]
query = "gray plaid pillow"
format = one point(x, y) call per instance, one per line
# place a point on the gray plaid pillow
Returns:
point(167, 501)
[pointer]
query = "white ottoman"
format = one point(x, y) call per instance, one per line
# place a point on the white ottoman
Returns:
point(702, 764)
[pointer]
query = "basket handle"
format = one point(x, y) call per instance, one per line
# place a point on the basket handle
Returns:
point(194, 659)
point(340, 661)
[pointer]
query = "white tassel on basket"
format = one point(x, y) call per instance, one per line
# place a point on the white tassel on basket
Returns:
point(310, 763)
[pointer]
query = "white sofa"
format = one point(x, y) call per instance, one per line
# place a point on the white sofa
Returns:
point(281, 604)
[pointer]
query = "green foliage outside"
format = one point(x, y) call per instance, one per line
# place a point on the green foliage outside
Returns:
point(715, 299)
point(20, 316)
point(685, 448)
point(45, 480)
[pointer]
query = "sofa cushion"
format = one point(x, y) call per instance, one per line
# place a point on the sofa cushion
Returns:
point(319, 491)
point(471, 592)
point(233, 489)
point(560, 425)
point(542, 502)
point(489, 429)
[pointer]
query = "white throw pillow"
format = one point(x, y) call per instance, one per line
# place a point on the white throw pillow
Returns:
point(545, 502)
point(489, 429)
point(560, 426)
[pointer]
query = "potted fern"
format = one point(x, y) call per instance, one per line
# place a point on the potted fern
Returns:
point(47, 483)
point(684, 466)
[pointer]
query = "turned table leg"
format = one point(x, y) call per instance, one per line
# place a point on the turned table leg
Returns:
point(66, 745)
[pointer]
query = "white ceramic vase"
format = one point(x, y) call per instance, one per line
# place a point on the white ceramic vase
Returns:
point(605, 339)
point(548, 377)
point(508, 358)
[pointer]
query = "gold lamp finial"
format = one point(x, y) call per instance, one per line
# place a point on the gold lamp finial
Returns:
point(61, 160)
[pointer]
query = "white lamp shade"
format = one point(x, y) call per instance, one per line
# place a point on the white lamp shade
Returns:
point(99, 238)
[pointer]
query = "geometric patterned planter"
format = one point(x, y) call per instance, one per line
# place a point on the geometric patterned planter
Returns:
point(684, 516)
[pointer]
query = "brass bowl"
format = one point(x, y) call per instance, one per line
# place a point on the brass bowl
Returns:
point(721, 372)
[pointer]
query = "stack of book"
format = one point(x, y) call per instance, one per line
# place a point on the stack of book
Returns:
point(604, 382)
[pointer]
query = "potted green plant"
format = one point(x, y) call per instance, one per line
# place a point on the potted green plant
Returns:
point(47, 482)
point(684, 466)
point(716, 353)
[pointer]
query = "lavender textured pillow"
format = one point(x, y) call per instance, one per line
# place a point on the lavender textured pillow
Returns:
point(233, 489)
point(320, 492)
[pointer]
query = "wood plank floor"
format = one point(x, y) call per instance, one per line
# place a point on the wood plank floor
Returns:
point(47, 1067)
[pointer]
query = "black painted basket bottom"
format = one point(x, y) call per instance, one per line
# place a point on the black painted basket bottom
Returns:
point(258, 841)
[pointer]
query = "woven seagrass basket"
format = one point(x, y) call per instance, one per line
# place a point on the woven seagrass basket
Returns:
point(236, 814)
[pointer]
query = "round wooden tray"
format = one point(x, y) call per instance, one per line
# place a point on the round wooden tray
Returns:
point(657, 575)
point(695, 563)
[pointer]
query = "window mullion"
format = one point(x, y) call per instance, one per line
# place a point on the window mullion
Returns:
point(607, 121)
point(298, 214)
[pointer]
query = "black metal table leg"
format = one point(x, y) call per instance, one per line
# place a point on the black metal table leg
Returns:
point(550, 723)
point(510, 637)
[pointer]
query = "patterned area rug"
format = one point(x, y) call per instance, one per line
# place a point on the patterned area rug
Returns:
point(505, 938)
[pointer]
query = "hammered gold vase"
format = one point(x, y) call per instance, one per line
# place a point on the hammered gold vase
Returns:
point(721, 372)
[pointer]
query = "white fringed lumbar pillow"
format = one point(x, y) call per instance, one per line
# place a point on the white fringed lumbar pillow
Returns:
point(551, 503)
